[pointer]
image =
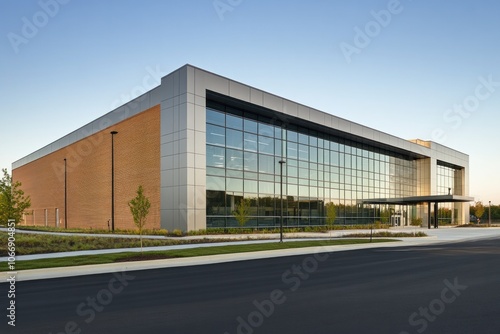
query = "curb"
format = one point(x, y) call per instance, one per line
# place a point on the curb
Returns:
point(49, 273)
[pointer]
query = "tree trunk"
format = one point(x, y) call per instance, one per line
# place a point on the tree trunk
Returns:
point(140, 233)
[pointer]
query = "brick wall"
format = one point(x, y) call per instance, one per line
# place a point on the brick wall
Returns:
point(137, 162)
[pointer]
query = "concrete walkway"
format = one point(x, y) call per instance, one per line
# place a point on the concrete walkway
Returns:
point(434, 236)
point(233, 239)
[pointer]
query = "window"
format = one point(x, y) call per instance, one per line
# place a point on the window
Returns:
point(266, 187)
point(250, 163)
point(278, 147)
point(216, 183)
point(334, 158)
point(215, 135)
point(292, 190)
point(215, 117)
point(234, 184)
point(292, 171)
point(292, 136)
point(303, 173)
point(234, 139)
point(303, 191)
point(292, 151)
point(313, 141)
point(216, 171)
point(250, 142)
point(266, 164)
point(234, 159)
point(215, 156)
point(303, 139)
point(266, 130)
point(234, 122)
point(303, 152)
point(266, 145)
point(250, 126)
point(313, 154)
point(250, 186)
point(277, 132)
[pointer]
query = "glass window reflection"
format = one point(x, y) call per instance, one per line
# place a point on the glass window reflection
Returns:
point(234, 122)
point(266, 130)
point(234, 139)
point(234, 159)
point(242, 157)
point(266, 145)
point(216, 135)
point(250, 126)
point(292, 150)
point(250, 163)
point(266, 164)
point(216, 156)
point(250, 142)
point(215, 117)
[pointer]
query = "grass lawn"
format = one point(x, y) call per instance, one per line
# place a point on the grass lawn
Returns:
point(202, 251)
point(27, 244)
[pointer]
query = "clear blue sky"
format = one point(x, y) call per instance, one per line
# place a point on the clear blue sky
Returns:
point(404, 77)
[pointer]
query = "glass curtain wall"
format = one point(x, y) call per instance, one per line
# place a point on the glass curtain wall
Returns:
point(243, 154)
point(448, 182)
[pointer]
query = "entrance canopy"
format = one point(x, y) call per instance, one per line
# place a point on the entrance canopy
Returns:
point(418, 200)
point(421, 200)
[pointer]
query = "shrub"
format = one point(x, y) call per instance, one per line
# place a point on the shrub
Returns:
point(416, 222)
point(197, 232)
point(177, 233)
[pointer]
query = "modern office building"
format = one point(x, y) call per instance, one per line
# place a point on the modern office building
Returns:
point(199, 143)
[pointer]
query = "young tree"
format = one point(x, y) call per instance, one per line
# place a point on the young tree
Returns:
point(479, 211)
point(139, 207)
point(385, 216)
point(242, 212)
point(331, 215)
point(13, 202)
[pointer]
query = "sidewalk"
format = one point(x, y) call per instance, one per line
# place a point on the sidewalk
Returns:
point(233, 239)
point(435, 236)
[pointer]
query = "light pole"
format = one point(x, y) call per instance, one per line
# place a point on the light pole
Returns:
point(281, 162)
point(489, 214)
point(113, 133)
point(65, 196)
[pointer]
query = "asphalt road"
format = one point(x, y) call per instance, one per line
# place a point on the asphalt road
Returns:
point(448, 288)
